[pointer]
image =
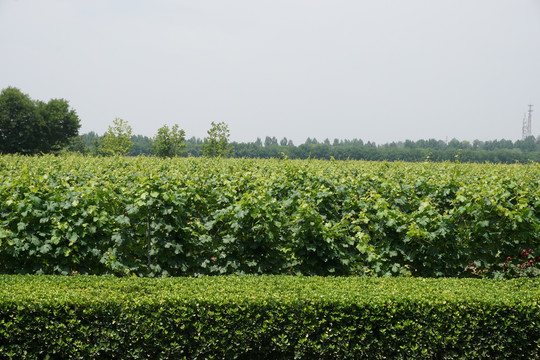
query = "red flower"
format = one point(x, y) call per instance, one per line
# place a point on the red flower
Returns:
point(509, 258)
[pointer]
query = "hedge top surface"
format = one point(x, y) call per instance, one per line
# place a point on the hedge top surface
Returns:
point(25, 290)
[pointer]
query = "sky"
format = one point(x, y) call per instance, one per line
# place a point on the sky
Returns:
point(376, 70)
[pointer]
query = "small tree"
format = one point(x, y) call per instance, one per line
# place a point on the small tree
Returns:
point(169, 142)
point(217, 142)
point(117, 140)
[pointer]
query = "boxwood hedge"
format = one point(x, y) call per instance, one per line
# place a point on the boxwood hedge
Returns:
point(268, 317)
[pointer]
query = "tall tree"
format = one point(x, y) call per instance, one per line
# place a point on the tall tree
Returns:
point(169, 142)
point(60, 124)
point(18, 119)
point(217, 142)
point(269, 141)
point(30, 127)
point(117, 140)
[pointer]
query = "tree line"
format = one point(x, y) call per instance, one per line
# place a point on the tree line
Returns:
point(168, 142)
point(30, 126)
point(496, 151)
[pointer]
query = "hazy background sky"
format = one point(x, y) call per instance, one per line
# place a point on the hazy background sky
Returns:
point(378, 70)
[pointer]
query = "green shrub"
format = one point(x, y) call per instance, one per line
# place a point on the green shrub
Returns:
point(191, 217)
point(268, 317)
point(524, 264)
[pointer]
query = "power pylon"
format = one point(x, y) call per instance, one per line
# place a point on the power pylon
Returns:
point(527, 119)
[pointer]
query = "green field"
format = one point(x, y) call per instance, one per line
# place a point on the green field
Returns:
point(197, 216)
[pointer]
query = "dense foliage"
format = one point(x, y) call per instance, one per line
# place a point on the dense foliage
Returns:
point(216, 144)
point(382, 153)
point(169, 142)
point(30, 126)
point(496, 151)
point(196, 216)
point(268, 317)
point(117, 140)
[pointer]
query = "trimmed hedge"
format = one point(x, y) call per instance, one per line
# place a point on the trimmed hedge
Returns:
point(190, 217)
point(268, 317)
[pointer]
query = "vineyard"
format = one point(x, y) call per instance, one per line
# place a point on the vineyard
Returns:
point(197, 216)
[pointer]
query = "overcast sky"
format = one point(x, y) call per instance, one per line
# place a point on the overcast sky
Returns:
point(378, 70)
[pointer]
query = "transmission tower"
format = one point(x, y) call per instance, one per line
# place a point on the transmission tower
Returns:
point(527, 119)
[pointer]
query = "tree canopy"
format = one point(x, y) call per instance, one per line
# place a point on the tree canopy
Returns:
point(31, 126)
point(169, 142)
point(117, 140)
point(217, 142)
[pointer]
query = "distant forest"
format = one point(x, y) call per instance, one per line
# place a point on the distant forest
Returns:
point(495, 151)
